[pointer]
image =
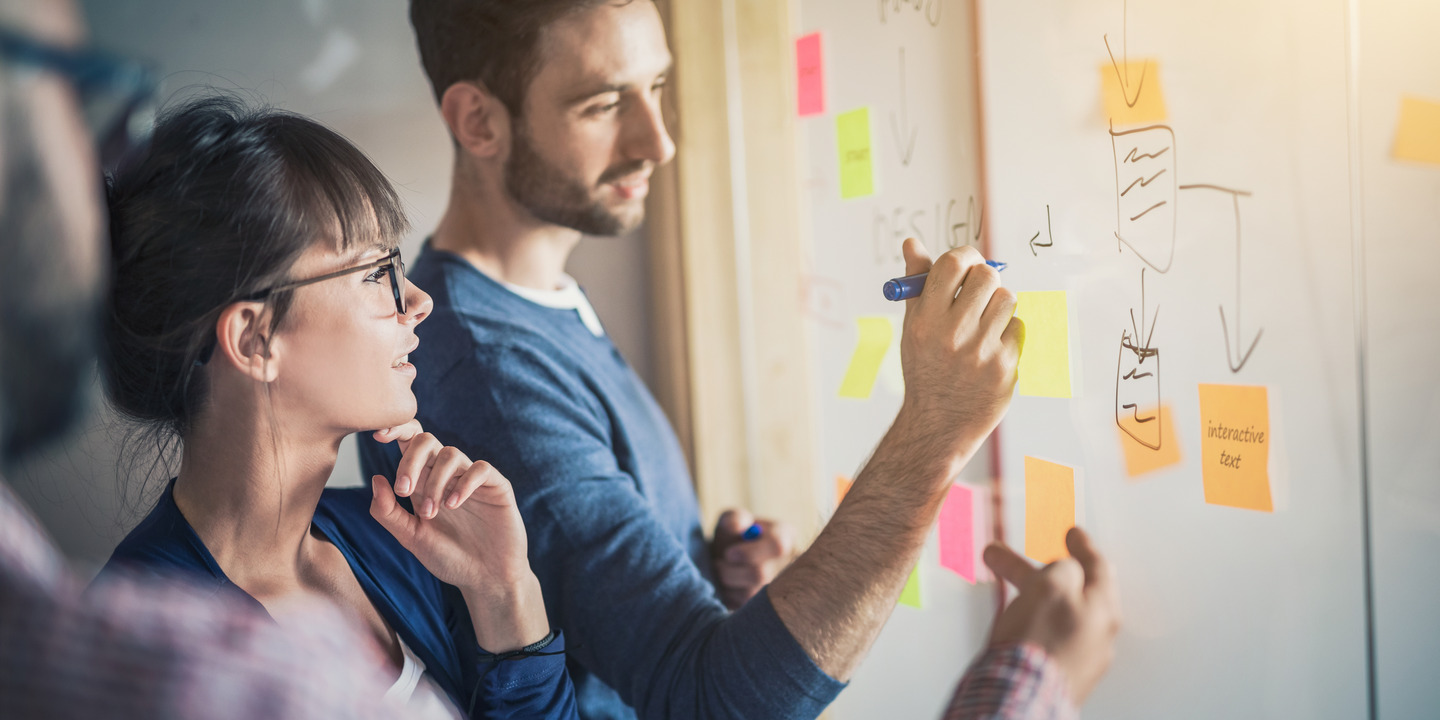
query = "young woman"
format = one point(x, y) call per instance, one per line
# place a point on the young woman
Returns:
point(259, 314)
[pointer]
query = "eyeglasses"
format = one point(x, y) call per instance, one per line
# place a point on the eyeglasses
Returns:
point(116, 95)
point(391, 263)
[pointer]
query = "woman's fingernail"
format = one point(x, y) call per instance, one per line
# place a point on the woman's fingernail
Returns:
point(453, 501)
point(402, 486)
point(427, 508)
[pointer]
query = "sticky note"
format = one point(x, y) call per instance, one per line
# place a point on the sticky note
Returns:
point(842, 487)
point(1418, 137)
point(911, 594)
point(1235, 446)
point(1140, 458)
point(1045, 358)
point(809, 75)
point(1131, 95)
point(857, 169)
point(875, 334)
point(957, 532)
point(1049, 509)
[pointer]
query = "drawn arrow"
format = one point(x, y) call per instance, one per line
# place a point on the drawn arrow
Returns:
point(1233, 355)
point(906, 148)
point(1123, 75)
point(1048, 233)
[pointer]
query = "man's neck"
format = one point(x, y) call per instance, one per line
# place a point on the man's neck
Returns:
point(484, 225)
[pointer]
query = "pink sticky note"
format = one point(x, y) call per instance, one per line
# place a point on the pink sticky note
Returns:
point(957, 532)
point(810, 75)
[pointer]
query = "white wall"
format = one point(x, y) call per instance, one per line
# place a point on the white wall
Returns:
point(354, 66)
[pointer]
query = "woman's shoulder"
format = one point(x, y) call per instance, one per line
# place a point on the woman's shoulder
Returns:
point(163, 544)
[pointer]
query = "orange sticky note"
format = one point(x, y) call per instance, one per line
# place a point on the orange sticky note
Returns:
point(842, 486)
point(1049, 509)
point(1141, 458)
point(1235, 446)
point(1130, 94)
point(1418, 137)
point(911, 594)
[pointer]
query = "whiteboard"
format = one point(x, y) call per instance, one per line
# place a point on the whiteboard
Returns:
point(1287, 255)
point(1229, 612)
point(912, 65)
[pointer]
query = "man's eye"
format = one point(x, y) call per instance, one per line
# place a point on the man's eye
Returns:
point(602, 109)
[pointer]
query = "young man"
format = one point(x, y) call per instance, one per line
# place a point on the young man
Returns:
point(554, 107)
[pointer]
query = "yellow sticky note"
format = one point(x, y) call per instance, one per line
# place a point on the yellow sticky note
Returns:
point(911, 594)
point(1131, 94)
point(842, 487)
point(875, 334)
point(1235, 446)
point(1418, 137)
point(1140, 458)
point(857, 168)
point(1049, 509)
point(1045, 358)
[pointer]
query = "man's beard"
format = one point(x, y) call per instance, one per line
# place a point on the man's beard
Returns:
point(552, 197)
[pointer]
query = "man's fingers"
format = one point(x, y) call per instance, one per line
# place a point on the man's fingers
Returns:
point(739, 575)
point(998, 314)
point(948, 272)
point(917, 258)
point(753, 552)
point(1097, 569)
point(1008, 565)
point(977, 287)
point(732, 524)
point(1014, 337)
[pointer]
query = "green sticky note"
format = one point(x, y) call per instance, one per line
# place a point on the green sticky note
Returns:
point(857, 168)
point(875, 334)
point(911, 594)
point(1045, 358)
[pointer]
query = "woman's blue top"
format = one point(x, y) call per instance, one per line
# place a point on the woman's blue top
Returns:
point(429, 615)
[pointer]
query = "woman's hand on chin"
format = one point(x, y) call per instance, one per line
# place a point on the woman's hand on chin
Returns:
point(467, 531)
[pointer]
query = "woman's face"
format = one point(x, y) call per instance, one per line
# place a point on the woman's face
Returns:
point(343, 349)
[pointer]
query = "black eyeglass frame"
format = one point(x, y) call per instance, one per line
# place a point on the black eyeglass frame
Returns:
point(391, 262)
point(92, 72)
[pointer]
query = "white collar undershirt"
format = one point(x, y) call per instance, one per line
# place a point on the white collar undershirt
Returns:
point(567, 297)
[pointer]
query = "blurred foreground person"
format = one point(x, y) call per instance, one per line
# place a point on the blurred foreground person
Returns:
point(128, 650)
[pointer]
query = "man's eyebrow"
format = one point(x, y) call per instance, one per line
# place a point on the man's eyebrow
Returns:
point(615, 87)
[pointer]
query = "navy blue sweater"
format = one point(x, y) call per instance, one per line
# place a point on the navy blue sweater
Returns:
point(608, 503)
point(430, 616)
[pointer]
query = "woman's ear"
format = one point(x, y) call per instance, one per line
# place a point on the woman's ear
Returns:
point(478, 121)
point(244, 341)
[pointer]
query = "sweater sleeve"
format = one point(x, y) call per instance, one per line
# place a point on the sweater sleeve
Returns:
point(1014, 682)
point(638, 613)
point(525, 687)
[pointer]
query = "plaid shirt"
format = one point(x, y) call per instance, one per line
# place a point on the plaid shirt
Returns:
point(1014, 682)
point(126, 649)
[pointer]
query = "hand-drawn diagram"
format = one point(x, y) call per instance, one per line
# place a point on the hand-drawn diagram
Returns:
point(1146, 221)
point(1238, 354)
point(951, 230)
point(1137, 384)
point(901, 129)
point(1049, 235)
point(1145, 196)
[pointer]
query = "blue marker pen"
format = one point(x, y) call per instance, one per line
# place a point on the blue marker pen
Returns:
point(910, 286)
point(752, 533)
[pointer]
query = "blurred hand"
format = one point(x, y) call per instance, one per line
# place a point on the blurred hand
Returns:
point(959, 349)
point(1070, 607)
point(467, 531)
point(742, 566)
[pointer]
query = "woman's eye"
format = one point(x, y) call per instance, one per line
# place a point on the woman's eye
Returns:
point(375, 275)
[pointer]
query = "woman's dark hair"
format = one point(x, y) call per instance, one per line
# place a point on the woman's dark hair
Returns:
point(494, 42)
point(219, 207)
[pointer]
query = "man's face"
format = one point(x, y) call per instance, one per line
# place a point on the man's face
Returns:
point(591, 131)
point(50, 218)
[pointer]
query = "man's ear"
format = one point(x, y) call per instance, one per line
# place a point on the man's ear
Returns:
point(244, 341)
point(478, 121)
